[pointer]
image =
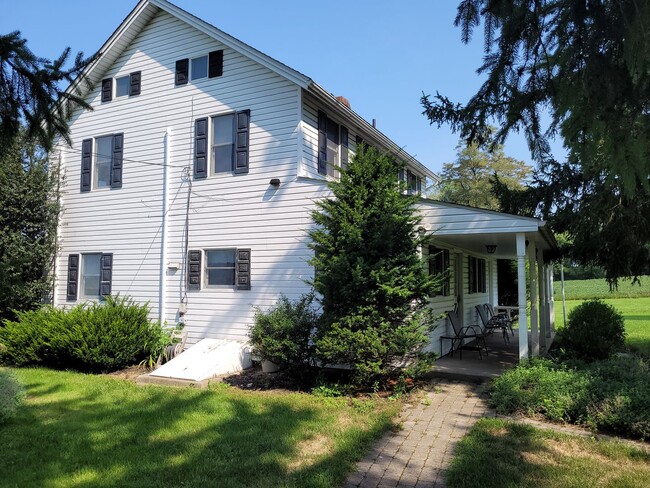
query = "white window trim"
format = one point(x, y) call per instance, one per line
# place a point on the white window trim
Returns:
point(128, 86)
point(211, 169)
point(82, 276)
point(95, 154)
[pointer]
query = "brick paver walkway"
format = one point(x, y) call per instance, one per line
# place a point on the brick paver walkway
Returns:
point(418, 454)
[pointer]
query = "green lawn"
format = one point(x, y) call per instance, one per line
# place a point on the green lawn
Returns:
point(636, 312)
point(598, 288)
point(82, 430)
point(500, 454)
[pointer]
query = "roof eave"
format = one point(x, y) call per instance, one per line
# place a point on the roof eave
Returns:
point(330, 100)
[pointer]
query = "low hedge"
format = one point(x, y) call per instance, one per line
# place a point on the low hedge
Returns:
point(96, 337)
point(610, 396)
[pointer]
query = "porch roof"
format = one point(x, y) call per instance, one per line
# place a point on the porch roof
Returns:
point(471, 228)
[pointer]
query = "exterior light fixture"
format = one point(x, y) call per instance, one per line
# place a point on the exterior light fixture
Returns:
point(275, 182)
point(491, 248)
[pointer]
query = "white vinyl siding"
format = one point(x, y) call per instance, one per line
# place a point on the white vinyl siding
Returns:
point(227, 211)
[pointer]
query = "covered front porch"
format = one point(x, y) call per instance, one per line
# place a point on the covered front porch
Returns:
point(470, 241)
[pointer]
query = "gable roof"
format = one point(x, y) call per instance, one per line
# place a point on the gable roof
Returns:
point(145, 10)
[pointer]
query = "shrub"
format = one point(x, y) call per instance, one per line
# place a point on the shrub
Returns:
point(283, 334)
point(95, 337)
point(595, 330)
point(12, 395)
point(611, 395)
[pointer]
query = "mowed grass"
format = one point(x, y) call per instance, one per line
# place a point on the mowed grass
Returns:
point(598, 288)
point(83, 430)
point(636, 312)
point(498, 454)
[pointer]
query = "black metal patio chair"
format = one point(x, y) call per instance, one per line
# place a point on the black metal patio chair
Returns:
point(503, 317)
point(472, 333)
point(492, 324)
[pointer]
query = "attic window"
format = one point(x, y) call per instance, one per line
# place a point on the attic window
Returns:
point(122, 86)
point(199, 68)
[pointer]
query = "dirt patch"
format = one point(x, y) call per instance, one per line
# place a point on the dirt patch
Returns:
point(309, 451)
point(130, 373)
point(256, 380)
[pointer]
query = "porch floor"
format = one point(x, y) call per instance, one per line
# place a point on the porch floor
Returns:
point(501, 357)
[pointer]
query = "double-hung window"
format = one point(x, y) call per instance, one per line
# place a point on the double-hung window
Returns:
point(90, 275)
point(476, 275)
point(221, 144)
point(332, 146)
point(221, 268)
point(102, 162)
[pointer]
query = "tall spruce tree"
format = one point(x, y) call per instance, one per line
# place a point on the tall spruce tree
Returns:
point(373, 285)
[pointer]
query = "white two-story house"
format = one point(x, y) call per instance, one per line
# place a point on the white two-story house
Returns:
point(190, 184)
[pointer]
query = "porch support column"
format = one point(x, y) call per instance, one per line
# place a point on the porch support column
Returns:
point(534, 308)
point(551, 294)
point(521, 293)
point(543, 308)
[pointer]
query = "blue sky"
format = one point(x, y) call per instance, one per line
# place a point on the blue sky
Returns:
point(379, 54)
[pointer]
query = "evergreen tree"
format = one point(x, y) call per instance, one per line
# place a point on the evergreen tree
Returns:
point(587, 65)
point(28, 219)
point(31, 95)
point(373, 285)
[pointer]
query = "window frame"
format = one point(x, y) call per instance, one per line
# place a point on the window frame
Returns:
point(476, 275)
point(128, 86)
point(332, 168)
point(206, 268)
point(82, 276)
point(212, 170)
point(95, 155)
point(440, 263)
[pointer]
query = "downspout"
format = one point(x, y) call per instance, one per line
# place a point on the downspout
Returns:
point(162, 299)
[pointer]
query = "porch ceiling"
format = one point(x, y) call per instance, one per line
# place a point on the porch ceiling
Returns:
point(475, 243)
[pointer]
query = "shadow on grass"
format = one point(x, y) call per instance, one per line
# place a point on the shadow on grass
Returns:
point(88, 431)
point(498, 454)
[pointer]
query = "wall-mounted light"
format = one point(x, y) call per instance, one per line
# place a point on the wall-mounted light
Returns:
point(491, 248)
point(275, 182)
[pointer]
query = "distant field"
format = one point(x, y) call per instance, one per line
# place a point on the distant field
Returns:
point(636, 312)
point(598, 288)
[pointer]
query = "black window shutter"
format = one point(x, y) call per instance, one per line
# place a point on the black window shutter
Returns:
point(194, 270)
point(86, 164)
point(106, 274)
point(134, 83)
point(107, 90)
point(322, 143)
point(117, 165)
point(73, 277)
point(344, 146)
point(242, 132)
point(243, 269)
point(182, 71)
point(201, 148)
point(215, 64)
